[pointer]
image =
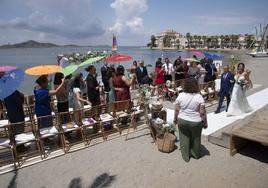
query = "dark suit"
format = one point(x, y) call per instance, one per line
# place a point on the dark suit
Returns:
point(105, 78)
point(210, 72)
point(141, 72)
point(227, 82)
point(93, 94)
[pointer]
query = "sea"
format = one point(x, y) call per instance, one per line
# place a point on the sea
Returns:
point(25, 58)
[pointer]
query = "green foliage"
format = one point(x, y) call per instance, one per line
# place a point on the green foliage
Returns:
point(166, 128)
point(233, 63)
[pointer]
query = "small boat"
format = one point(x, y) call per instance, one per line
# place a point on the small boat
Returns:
point(259, 54)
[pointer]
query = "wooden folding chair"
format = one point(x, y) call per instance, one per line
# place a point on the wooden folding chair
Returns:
point(107, 117)
point(27, 137)
point(212, 94)
point(68, 123)
point(204, 91)
point(47, 132)
point(123, 114)
point(7, 153)
point(90, 123)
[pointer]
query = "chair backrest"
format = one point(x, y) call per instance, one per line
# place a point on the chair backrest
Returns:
point(75, 116)
point(107, 108)
point(93, 112)
point(125, 105)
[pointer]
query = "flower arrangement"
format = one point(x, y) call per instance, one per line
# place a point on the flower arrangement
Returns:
point(166, 128)
point(233, 63)
point(145, 93)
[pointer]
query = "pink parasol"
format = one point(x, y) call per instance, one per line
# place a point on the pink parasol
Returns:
point(197, 53)
point(7, 68)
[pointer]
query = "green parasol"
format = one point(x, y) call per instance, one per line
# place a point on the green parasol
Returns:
point(69, 69)
point(92, 60)
point(192, 60)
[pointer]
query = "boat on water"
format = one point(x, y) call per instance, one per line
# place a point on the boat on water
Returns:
point(260, 51)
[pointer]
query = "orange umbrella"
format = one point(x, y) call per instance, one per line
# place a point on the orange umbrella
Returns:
point(43, 69)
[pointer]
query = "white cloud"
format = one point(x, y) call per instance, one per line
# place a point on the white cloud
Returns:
point(226, 21)
point(128, 15)
point(64, 18)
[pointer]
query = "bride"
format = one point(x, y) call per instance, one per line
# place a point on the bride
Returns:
point(239, 103)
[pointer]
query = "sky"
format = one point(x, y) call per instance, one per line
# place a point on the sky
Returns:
point(93, 22)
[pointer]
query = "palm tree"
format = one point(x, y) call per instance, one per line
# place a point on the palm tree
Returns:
point(222, 41)
point(189, 39)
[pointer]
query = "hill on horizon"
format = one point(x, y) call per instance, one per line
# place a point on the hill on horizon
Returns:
point(32, 44)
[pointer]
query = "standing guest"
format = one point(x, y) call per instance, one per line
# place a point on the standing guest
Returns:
point(15, 114)
point(78, 98)
point(190, 114)
point(227, 82)
point(158, 61)
point(42, 100)
point(202, 69)
point(141, 72)
point(168, 67)
point(194, 71)
point(160, 74)
point(122, 84)
point(104, 77)
point(134, 65)
point(149, 79)
point(211, 70)
point(179, 69)
point(111, 94)
point(62, 95)
point(92, 86)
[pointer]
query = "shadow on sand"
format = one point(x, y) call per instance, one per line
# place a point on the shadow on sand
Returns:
point(103, 180)
point(13, 183)
point(256, 151)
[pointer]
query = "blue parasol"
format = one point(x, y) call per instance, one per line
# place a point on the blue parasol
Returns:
point(212, 56)
point(9, 82)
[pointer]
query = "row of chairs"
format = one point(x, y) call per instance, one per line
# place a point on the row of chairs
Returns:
point(207, 90)
point(86, 124)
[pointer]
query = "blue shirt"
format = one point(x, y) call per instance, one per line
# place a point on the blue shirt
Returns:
point(42, 102)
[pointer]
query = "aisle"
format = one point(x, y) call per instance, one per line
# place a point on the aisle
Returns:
point(218, 121)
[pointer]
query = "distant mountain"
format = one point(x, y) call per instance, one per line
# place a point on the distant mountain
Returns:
point(33, 44)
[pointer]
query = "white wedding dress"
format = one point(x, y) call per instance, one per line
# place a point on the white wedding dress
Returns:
point(239, 104)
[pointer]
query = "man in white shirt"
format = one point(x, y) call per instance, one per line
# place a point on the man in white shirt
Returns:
point(168, 67)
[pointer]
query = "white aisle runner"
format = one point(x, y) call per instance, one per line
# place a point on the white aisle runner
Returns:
point(217, 121)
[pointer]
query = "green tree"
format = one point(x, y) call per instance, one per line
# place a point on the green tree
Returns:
point(153, 39)
point(167, 41)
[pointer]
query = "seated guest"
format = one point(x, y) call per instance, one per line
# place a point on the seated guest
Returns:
point(15, 114)
point(122, 84)
point(141, 72)
point(93, 93)
point(190, 114)
point(42, 100)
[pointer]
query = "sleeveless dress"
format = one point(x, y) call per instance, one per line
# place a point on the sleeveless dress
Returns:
point(239, 104)
point(125, 93)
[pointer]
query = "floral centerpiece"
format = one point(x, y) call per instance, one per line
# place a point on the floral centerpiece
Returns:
point(165, 138)
point(233, 63)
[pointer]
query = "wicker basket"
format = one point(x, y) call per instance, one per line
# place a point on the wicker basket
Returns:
point(166, 143)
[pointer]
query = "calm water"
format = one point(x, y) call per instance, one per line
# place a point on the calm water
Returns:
point(25, 58)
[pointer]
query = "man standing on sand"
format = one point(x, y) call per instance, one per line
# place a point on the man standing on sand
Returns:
point(227, 82)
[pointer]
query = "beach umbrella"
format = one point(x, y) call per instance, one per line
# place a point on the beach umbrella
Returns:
point(92, 60)
point(69, 69)
point(7, 68)
point(197, 53)
point(192, 60)
point(10, 81)
point(118, 58)
point(212, 56)
point(43, 70)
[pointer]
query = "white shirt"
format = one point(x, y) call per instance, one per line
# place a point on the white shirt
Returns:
point(77, 103)
point(168, 69)
point(189, 106)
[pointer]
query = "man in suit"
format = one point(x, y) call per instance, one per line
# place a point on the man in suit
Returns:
point(105, 77)
point(141, 72)
point(211, 70)
point(227, 82)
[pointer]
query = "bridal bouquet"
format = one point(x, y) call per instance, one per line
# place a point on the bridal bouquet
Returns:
point(242, 83)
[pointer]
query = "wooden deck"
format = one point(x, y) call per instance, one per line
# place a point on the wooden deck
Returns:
point(256, 130)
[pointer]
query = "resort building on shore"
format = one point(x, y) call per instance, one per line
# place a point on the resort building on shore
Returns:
point(171, 39)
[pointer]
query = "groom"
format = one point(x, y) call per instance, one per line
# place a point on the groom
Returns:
point(227, 82)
